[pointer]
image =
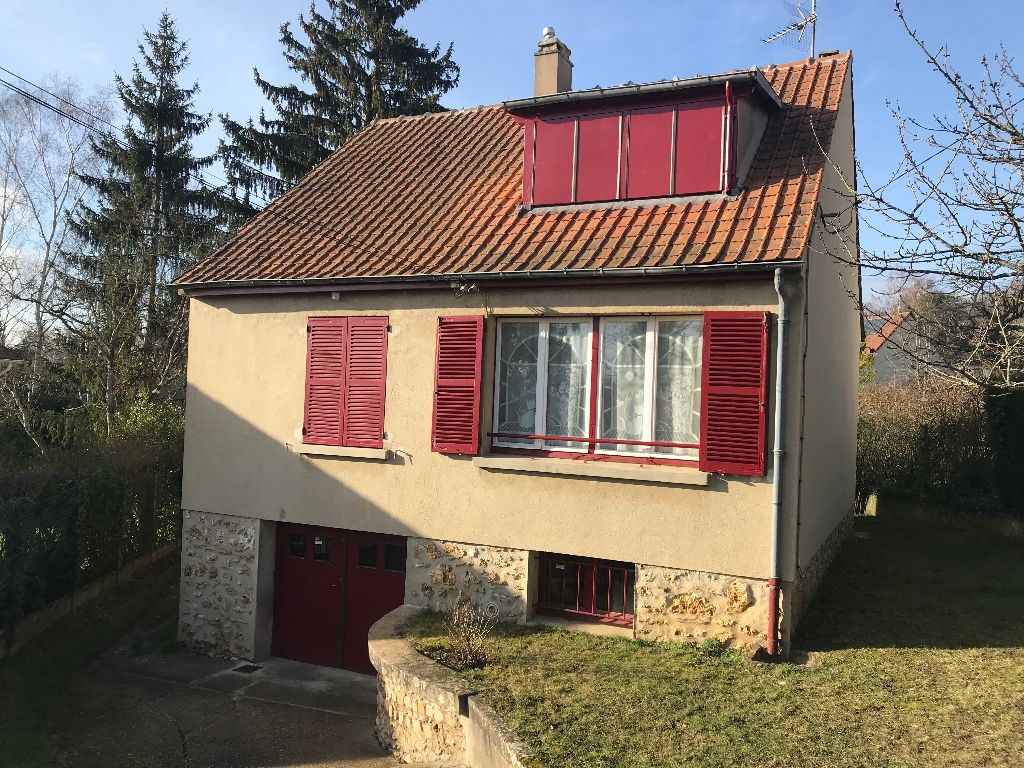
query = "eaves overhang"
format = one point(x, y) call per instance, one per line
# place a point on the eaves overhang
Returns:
point(514, 279)
point(753, 77)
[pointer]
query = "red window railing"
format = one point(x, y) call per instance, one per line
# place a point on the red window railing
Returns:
point(592, 590)
point(593, 440)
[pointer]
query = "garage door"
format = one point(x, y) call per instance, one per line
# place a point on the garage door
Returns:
point(330, 586)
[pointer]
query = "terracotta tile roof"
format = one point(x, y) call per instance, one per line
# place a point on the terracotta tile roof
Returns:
point(874, 341)
point(440, 194)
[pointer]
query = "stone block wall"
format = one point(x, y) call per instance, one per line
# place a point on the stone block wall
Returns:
point(418, 703)
point(219, 583)
point(439, 572)
point(692, 606)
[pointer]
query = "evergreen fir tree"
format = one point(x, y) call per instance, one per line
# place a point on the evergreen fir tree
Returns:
point(152, 218)
point(360, 66)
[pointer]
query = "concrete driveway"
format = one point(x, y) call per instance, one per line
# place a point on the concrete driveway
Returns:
point(187, 711)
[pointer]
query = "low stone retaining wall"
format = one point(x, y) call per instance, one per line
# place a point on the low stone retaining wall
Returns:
point(37, 622)
point(425, 713)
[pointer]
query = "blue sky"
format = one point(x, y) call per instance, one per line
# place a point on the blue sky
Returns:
point(612, 42)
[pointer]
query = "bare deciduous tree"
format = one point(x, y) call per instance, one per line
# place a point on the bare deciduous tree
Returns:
point(951, 217)
point(41, 157)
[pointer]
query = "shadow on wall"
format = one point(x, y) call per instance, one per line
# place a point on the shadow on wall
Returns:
point(920, 576)
point(227, 563)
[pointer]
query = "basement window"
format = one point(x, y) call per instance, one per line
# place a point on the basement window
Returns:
point(586, 589)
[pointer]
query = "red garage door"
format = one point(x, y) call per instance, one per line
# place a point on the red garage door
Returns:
point(330, 586)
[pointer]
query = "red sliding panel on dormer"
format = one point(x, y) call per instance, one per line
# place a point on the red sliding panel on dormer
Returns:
point(734, 393)
point(456, 419)
point(597, 157)
point(648, 167)
point(553, 161)
point(699, 147)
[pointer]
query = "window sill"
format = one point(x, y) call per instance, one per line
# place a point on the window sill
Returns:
point(341, 452)
point(604, 470)
point(586, 627)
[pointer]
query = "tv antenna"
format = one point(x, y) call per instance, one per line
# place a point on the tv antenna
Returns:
point(800, 32)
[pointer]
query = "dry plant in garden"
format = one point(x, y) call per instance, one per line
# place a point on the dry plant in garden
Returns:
point(466, 628)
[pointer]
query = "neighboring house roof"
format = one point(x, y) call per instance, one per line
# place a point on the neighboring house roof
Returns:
point(884, 328)
point(441, 195)
point(6, 353)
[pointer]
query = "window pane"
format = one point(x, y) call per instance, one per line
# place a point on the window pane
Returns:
point(321, 548)
point(517, 379)
point(296, 545)
point(623, 374)
point(394, 557)
point(677, 386)
point(367, 554)
point(567, 382)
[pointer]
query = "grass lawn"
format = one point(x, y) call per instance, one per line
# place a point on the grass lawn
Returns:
point(916, 658)
point(37, 684)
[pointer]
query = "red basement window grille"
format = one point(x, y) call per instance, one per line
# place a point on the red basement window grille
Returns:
point(585, 589)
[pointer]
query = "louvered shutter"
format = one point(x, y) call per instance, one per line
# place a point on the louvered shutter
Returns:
point(734, 393)
point(456, 421)
point(366, 369)
point(325, 380)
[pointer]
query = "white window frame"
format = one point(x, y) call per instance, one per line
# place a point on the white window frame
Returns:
point(540, 417)
point(650, 388)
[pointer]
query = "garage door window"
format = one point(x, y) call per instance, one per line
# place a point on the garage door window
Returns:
point(367, 554)
point(394, 557)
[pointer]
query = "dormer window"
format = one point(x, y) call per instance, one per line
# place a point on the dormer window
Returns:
point(673, 139)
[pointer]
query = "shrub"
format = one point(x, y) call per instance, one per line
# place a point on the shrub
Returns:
point(86, 509)
point(466, 629)
point(926, 440)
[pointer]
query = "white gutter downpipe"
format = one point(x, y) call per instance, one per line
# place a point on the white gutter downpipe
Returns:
point(778, 453)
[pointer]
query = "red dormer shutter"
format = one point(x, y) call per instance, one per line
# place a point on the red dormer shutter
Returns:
point(366, 370)
point(734, 393)
point(456, 421)
point(325, 380)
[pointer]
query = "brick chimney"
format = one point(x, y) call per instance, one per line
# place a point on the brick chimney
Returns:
point(552, 69)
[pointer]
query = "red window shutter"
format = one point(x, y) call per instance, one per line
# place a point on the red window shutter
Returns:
point(367, 349)
point(325, 380)
point(734, 393)
point(456, 422)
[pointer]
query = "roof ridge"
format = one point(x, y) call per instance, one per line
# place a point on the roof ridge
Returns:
point(816, 61)
point(441, 113)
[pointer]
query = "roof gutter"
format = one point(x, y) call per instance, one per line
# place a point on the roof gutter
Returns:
point(505, 279)
point(754, 77)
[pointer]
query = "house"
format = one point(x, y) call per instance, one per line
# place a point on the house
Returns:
point(578, 355)
point(898, 352)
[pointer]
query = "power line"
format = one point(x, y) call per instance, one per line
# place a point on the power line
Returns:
point(120, 130)
point(195, 175)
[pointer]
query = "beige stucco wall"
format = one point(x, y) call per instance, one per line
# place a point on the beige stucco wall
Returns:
point(828, 454)
point(244, 412)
